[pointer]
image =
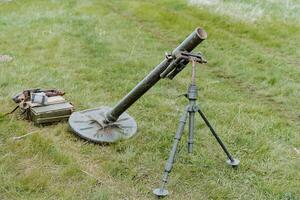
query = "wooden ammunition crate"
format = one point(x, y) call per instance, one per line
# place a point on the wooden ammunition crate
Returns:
point(51, 113)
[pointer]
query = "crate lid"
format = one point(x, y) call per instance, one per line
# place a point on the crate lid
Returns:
point(52, 108)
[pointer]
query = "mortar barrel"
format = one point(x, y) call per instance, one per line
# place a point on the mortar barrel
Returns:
point(192, 41)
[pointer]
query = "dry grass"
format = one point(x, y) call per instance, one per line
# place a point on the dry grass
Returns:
point(253, 10)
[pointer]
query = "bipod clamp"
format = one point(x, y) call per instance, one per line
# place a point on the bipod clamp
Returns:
point(197, 57)
point(179, 61)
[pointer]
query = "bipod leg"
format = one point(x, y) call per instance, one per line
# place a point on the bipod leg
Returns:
point(191, 129)
point(231, 161)
point(162, 192)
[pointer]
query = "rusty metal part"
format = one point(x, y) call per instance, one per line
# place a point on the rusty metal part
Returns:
point(52, 93)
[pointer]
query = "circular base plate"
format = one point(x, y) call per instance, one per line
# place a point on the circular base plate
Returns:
point(160, 192)
point(233, 163)
point(89, 125)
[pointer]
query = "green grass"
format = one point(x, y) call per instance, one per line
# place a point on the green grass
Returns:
point(97, 51)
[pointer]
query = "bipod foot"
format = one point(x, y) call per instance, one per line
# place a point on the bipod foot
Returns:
point(160, 192)
point(233, 162)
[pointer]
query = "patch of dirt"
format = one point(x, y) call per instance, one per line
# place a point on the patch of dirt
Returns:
point(5, 58)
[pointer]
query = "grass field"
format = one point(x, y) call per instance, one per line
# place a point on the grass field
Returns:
point(97, 51)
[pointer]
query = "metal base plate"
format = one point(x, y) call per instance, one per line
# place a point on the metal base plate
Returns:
point(89, 125)
point(160, 192)
point(233, 163)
